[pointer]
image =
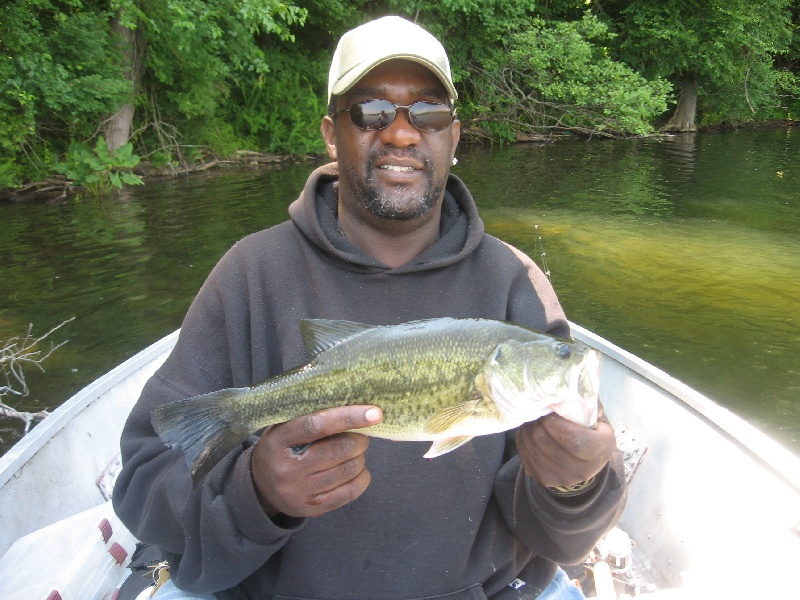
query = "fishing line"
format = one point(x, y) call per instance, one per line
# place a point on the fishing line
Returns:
point(542, 253)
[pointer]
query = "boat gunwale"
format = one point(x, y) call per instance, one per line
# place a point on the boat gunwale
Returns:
point(773, 456)
point(19, 454)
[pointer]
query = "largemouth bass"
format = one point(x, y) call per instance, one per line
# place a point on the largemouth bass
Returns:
point(440, 380)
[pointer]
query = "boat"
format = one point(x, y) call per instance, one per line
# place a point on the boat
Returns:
point(713, 508)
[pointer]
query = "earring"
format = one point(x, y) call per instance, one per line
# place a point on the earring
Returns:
point(455, 161)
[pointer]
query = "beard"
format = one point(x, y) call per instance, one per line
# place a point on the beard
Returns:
point(400, 203)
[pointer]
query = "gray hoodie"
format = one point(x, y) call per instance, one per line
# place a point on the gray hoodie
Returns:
point(460, 526)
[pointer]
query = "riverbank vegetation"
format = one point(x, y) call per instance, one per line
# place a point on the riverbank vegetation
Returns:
point(93, 92)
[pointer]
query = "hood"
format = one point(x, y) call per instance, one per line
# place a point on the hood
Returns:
point(314, 214)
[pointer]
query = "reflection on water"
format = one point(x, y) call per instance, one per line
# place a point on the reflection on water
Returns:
point(683, 251)
point(695, 298)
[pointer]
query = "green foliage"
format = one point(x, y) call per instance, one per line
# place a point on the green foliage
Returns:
point(198, 49)
point(569, 63)
point(58, 73)
point(788, 87)
point(216, 76)
point(281, 111)
point(787, 71)
point(557, 76)
point(726, 46)
point(99, 170)
point(9, 174)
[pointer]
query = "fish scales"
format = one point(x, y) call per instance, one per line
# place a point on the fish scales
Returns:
point(442, 380)
point(409, 380)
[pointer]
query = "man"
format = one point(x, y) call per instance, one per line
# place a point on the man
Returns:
point(384, 235)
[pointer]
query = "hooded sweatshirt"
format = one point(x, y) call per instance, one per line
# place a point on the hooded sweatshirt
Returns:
point(460, 526)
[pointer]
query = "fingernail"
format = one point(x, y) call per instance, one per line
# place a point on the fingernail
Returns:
point(373, 415)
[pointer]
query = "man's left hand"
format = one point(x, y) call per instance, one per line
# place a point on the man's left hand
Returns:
point(557, 452)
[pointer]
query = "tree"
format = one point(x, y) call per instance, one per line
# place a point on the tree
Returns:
point(129, 46)
point(522, 75)
point(186, 81)
point(787, 69)
point(58, 74)
point(70, 70)
point(556, 77)
point(718, 53)
point(198, 56)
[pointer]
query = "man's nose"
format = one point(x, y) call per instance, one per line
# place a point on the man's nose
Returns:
point(401, 132)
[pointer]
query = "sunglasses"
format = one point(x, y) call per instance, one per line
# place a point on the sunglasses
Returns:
point(379, 114)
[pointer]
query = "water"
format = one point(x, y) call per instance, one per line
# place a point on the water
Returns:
point(683, 251)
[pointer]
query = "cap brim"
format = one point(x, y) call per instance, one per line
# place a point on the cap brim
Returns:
point(349, 79)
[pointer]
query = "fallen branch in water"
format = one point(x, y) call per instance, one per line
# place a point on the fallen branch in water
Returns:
point(53, 188)
point(24, 416)
point(17, 353)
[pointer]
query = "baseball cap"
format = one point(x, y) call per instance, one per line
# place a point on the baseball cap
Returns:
point(362, 49)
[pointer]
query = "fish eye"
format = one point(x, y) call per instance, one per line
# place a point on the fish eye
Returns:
point(563, 351)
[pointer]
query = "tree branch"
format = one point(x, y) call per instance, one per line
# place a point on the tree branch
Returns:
point(17, 353)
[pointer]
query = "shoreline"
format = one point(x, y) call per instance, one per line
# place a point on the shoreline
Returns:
point(57, 187)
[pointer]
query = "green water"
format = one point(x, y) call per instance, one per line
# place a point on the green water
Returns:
point(684, 251)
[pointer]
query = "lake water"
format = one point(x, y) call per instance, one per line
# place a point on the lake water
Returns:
point(685, 251)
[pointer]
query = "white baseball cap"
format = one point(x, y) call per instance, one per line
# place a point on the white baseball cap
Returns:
point(362, 49)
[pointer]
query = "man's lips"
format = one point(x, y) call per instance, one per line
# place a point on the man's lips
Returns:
point(397, 168)
point(404, 172)
point(399, 164)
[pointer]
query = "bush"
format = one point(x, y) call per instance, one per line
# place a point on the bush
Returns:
point(97, 169)
point(558, 77)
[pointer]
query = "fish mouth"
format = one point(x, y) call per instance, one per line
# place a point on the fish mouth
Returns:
point(588, 376)
point(581, 403)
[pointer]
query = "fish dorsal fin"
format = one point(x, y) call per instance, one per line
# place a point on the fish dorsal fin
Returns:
point(447, 417)
point(321, 334)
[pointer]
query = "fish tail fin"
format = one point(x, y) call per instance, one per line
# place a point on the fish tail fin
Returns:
point(202, 428)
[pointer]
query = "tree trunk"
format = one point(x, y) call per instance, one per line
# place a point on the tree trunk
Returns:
point(683, 118)
point(118, 126)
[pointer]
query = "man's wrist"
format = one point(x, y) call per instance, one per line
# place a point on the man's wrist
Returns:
point(570, 491)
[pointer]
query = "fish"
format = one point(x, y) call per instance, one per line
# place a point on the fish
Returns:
point(443, 380)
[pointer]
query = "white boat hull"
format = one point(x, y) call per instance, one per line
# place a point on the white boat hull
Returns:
point(53, 471)
point(714, 508)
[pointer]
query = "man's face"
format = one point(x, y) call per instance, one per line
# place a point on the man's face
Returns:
point(397, 173)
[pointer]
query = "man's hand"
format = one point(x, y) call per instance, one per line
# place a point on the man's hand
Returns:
point(557, 452)
point(302, 480)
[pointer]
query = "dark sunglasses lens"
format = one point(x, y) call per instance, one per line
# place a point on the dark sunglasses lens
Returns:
point(372, 114)
point(429, 116)
point(378, 114)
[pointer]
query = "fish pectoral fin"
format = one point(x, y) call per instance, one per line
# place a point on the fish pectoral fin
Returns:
point(321, 334)
point(444, 419)
point(444, 446)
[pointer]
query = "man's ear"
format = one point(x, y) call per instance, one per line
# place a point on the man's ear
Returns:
point(328, 130)
point(455, 132)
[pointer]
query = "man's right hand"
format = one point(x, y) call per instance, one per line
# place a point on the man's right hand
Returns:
point(327, 474)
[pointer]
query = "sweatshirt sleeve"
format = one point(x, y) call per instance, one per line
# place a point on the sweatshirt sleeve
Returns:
point(215, 534)
point(548, 527)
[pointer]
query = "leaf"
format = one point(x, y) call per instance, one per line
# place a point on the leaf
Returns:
point(123, 153)
point(131, 179)
point(101, 150)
